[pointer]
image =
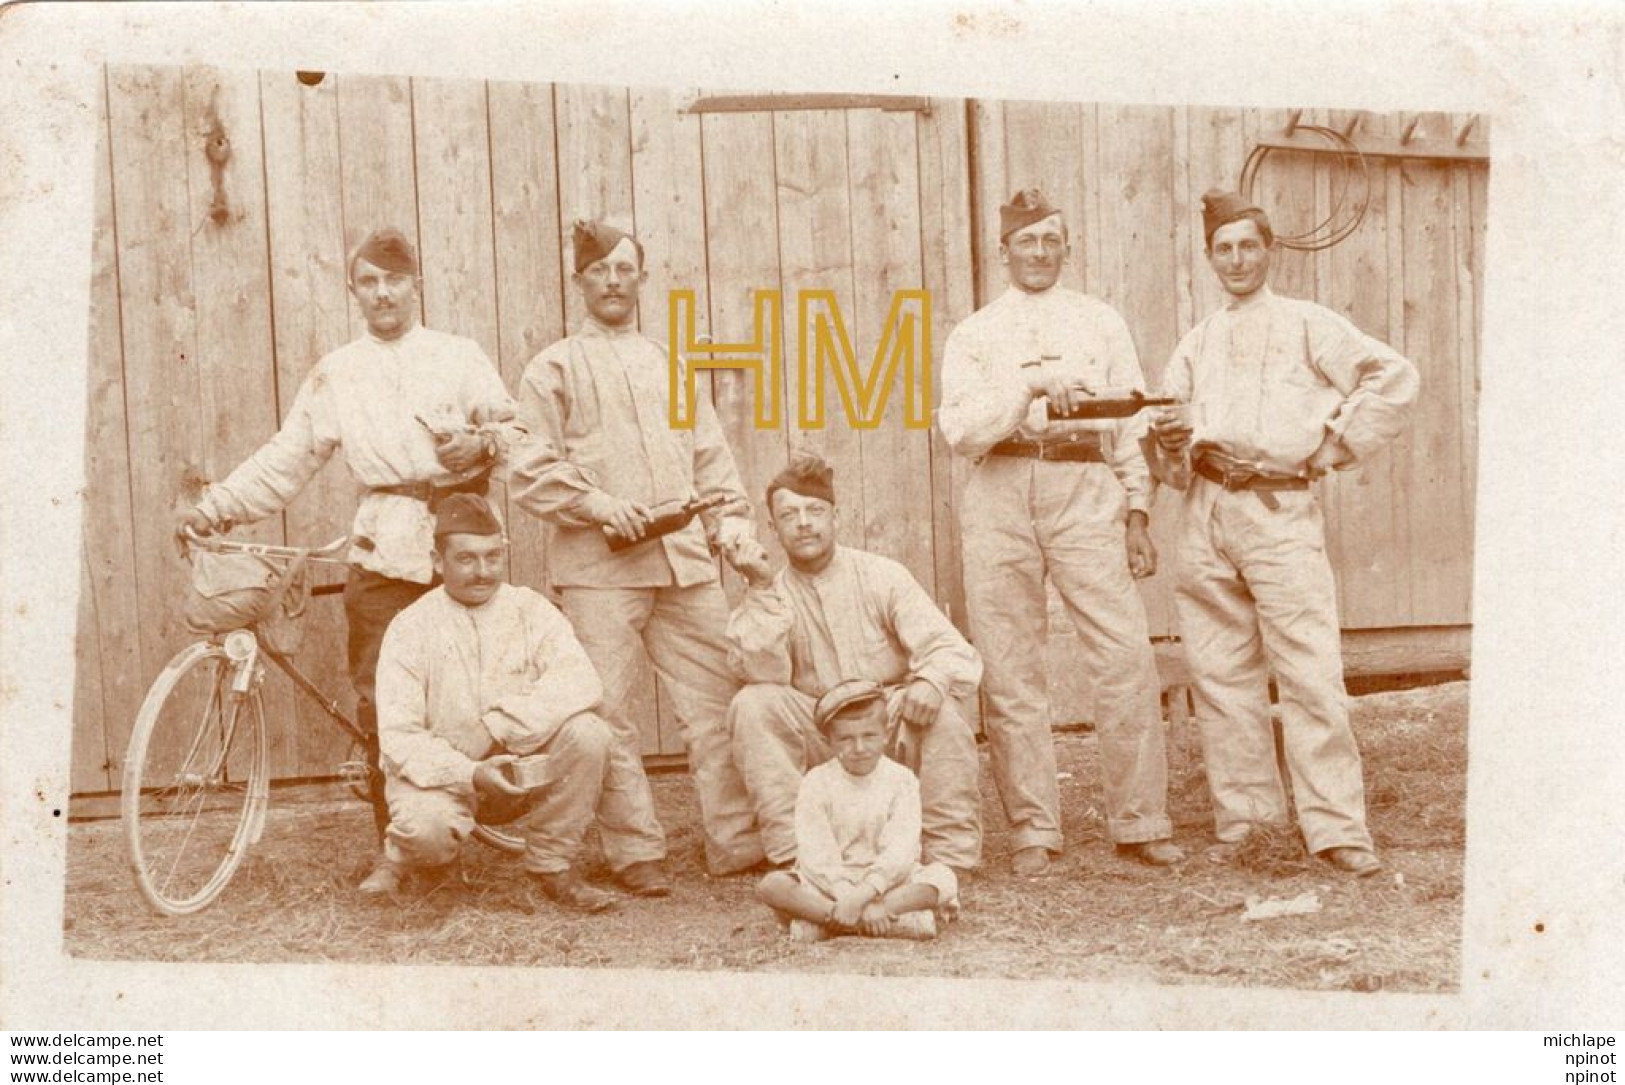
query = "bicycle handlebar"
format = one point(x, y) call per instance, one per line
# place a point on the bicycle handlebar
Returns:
point(330, 553)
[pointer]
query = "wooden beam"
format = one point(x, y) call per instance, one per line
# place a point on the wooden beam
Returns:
point(1423, 649)
point(1408, 650)
point(779, 103)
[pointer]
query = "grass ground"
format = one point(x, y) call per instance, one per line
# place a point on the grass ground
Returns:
point(1096, 917)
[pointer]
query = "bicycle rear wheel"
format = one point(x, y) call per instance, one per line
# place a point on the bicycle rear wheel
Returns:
point(195, 781)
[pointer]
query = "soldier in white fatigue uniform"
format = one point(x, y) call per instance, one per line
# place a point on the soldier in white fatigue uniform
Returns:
point(604, 454)
point(472, 675)
point(832, 614)
point(1064, 499)
point(418, 415)
point(1280, 391)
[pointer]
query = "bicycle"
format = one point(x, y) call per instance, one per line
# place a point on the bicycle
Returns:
point(196, 785)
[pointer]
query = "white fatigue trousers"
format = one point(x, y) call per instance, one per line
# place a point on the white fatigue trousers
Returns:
point(775, 743)
point(681, 630)
point(427, 826)
point(1254, 594)
point(1023, 518)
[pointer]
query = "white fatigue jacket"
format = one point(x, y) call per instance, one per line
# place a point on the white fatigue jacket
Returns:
point(862, 616)
point(853, 830)
point(454, 682)
point(1272, 376)
point(366, 398)
point(596, 403)
point(984, 387)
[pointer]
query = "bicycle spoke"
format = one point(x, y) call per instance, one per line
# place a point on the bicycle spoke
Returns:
point(214, 778)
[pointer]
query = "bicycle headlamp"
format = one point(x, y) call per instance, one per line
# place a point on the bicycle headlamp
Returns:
point(240, 645)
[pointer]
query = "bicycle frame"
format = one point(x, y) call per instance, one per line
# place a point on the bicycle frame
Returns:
point(328, 555)
point(311, 690)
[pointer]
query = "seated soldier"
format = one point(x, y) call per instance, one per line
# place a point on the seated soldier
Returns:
point(858, 835)
point(836, 613)
point(475, 674)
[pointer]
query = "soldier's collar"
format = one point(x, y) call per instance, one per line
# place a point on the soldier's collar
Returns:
point(591, 325)
point(1258, 297)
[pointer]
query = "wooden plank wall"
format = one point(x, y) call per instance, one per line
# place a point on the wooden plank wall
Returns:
point(216, 288)
point(1130, 180)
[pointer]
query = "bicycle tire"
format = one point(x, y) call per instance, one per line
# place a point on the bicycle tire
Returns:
point(196, 781)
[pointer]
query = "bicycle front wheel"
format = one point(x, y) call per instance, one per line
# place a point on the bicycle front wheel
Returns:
point(195, 780)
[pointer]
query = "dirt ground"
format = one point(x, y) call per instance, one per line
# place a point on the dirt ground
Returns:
point(1095, 917)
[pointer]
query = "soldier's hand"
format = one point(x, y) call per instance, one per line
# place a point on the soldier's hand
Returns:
point(1063, 392)
point(461, 450)
point(194, 520)
point(625, 517)
point(749, 559)
point(920, 703)
point(1330, 453)
point(1173, 429)
point(491, 777)
point(1142, 553)
point(733, 530)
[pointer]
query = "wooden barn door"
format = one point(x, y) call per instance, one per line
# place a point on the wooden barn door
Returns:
point(861, 201)
point(1400, 527)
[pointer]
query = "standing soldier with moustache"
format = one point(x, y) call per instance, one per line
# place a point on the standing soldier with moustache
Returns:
point(419, 414)
point(1068, 499)
point(604, 454)
point(1279, 391)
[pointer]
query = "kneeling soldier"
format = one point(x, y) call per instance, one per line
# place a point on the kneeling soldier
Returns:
point(835, 613)
point(474, 674)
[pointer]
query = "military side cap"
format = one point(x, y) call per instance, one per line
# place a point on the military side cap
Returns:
point(1025, 208)
point(592, 241)
point(1220, 208)
point(388, 249)
point(466, 514)
point(843, 697)
point(807, 475)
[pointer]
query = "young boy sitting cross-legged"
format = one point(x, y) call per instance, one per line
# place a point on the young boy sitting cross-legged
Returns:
point(858, 834)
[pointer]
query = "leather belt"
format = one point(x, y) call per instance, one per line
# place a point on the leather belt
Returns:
point(431, 494)
point(1069, 451)
point(1264, 485)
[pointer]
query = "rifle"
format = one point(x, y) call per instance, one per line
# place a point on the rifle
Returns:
point(1114, 407)
point(665, 518)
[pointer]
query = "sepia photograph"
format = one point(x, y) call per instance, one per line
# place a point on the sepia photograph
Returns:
point(1163, 706)
point(977, 516)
